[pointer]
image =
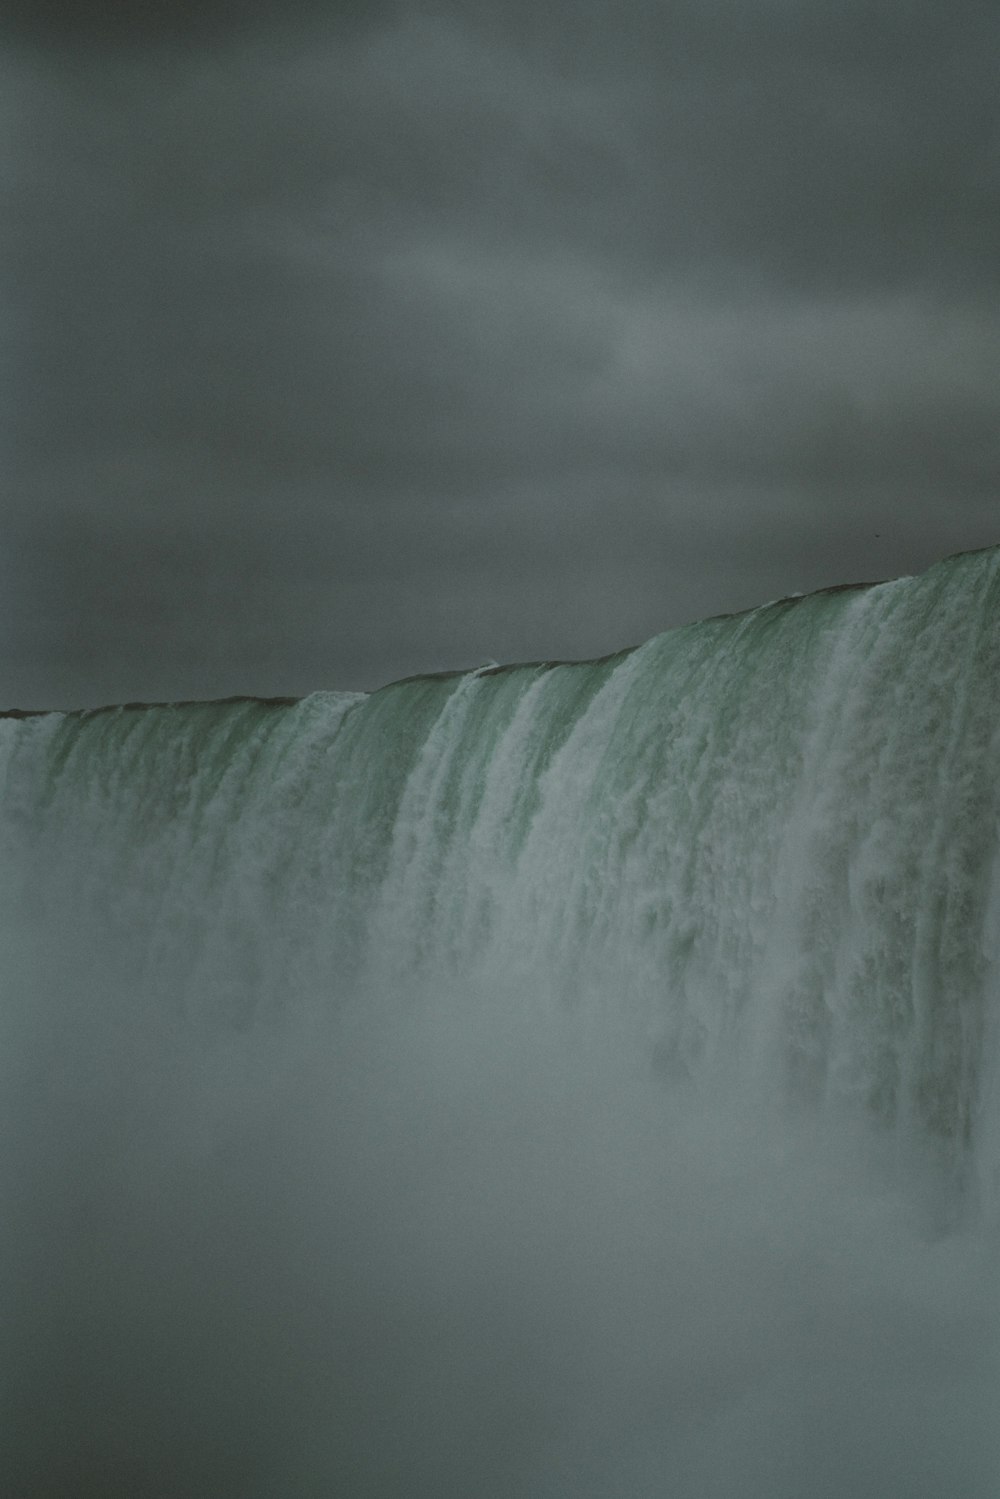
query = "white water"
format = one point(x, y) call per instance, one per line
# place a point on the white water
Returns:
point(558, 1081)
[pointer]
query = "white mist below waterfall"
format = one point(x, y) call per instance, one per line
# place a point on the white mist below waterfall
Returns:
point(562, 1080)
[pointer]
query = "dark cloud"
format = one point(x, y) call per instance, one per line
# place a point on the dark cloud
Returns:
point(345, 349)
point(114, 23)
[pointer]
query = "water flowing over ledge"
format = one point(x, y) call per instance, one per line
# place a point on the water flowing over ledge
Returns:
point(757, 854)
point(774, 832)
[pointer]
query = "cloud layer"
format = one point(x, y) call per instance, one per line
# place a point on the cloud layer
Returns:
point(347, 343)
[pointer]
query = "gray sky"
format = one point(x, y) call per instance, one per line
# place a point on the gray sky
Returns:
point(343, 341)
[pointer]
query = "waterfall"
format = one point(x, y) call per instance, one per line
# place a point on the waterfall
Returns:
point(563, 1078)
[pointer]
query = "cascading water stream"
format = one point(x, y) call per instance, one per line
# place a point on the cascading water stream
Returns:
point(483, 931)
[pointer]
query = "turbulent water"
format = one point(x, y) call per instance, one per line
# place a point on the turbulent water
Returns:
point(562, 1079)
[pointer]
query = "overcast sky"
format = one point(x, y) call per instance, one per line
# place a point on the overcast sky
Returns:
point(343, 341)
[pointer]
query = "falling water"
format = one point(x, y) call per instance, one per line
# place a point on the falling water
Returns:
point(560, 1079)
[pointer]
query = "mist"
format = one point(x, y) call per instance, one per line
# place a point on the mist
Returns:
point(445, 1245)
